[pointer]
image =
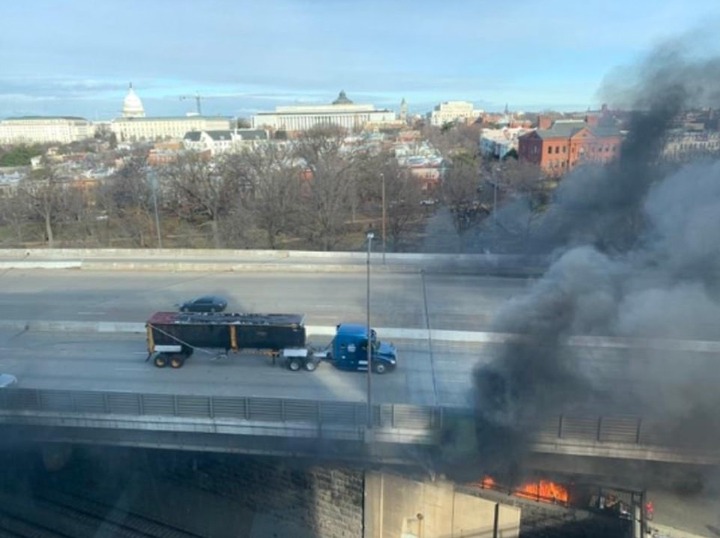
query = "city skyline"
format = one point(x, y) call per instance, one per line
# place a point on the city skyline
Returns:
point(77, 58)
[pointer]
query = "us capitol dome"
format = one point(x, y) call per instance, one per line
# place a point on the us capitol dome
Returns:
point(132, 105)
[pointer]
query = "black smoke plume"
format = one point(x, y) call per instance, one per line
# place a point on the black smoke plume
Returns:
point(638, 255)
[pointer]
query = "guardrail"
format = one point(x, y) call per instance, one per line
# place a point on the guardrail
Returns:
point(348, 414)
point(627, 430)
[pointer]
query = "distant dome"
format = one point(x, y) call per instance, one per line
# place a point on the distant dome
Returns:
point(132, 105)
point(342, 99)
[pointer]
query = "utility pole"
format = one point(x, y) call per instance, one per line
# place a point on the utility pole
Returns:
point(154, 185)
point(370, 236)
point(382, 176)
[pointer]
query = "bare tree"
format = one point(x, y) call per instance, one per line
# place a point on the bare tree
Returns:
point(14, 214)
point(128, 199)
point(329, 193)
point(202, 191)
point(459, 192)
point(403, 197)
point(452, 140)
point(403, 194)
point(43, 191)
point(525, 183)
point(275, 178)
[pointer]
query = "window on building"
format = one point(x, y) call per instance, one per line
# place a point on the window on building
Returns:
point(557, 149)
point(549, 150)
point(564, 149)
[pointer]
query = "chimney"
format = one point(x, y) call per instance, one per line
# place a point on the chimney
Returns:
point(544, 122)
point(592, 120)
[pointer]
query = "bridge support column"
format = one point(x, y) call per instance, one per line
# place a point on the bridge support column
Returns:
point(397, 506)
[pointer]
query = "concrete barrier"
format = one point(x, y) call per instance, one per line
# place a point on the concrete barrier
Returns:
point(387, 333)
point(243, 260)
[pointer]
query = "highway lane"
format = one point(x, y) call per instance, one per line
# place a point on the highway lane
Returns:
point(116, 362)
point(454, 302)
point(94, 361)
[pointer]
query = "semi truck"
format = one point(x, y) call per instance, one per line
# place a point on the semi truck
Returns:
point(172, 337)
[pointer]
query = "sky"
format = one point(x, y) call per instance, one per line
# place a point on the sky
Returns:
point(77, 57)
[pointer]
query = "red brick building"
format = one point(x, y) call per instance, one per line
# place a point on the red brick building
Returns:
point(559, 148)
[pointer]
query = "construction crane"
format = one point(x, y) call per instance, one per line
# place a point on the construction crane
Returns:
point(197, 98)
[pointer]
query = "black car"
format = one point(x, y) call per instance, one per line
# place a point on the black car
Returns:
point(206, 303)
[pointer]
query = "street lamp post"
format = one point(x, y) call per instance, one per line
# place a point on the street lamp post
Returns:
point(382, 176)
point(494, 215)
point(154, 182)
point(370, 237)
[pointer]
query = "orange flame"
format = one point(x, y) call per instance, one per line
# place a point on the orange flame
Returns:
point(543, 490)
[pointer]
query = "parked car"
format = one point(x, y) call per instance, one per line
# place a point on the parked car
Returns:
point(206, 303)
point(7, 380)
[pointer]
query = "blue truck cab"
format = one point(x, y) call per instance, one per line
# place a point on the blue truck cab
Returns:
point(348, 350)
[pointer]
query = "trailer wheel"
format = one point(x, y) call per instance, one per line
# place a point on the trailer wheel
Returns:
point(160, 361)
point(379, 368)
point(311, 366)
point(294, 365)
point(177, 361)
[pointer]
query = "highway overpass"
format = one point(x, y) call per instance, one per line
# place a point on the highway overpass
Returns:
point(76, 331)
point(336, 430)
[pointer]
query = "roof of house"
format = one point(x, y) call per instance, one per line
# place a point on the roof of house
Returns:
point(568, 128)
point(192, 136)
point(220, 135)
point(253, 134)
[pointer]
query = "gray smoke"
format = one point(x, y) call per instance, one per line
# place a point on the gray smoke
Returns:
point(637, 255)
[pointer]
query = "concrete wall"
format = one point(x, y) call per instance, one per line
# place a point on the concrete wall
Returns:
point(287, 500)
point(396, 507)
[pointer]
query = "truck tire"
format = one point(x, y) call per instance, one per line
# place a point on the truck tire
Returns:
point(294, 365)
point(379, 368)
point(177, 361)
point(160, 361)
point(311, 366)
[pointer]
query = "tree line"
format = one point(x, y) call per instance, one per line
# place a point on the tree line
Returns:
point(314, 192)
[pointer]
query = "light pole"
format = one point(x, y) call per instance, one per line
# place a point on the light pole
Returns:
point(382, 176)
point(370, 236)
point(494, 215)
point(154, 182)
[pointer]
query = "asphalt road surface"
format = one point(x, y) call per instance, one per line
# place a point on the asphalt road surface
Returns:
point(454, 302)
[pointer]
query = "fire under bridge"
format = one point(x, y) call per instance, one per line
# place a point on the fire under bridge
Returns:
point(332, 430)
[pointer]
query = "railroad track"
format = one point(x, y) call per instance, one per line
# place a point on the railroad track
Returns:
point(60, 514)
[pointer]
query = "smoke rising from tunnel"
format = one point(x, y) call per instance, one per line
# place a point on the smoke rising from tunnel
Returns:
point(637, 255)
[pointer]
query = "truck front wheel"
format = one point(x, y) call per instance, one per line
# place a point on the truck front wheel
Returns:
point(379, 368)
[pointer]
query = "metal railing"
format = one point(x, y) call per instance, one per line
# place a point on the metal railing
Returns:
point(628, 430)
point(281, 410)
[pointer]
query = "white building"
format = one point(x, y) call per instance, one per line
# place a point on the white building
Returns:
point(342, 112)
point(217, 142)
point(453, 111)
point(134, 126)
point(498, 142)
point(45, 130)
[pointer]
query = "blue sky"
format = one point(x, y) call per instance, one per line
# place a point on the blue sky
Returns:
point(76, 57)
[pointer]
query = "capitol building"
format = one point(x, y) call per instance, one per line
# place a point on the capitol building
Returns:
point(134, 126)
